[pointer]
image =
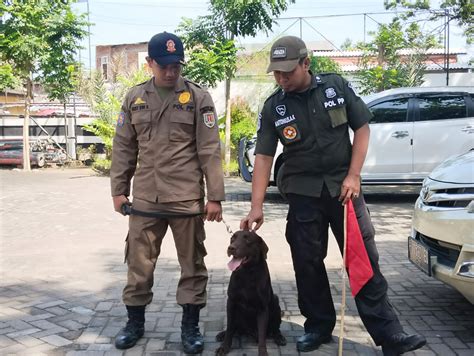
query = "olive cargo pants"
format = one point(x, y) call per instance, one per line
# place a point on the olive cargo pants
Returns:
point(142, 249)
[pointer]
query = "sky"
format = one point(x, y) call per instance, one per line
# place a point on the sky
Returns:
point(122, 21)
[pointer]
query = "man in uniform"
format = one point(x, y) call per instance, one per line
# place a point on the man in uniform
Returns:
point(167, 139)
point(310, 115)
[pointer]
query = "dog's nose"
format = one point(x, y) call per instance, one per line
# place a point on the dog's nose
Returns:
point(230, 250)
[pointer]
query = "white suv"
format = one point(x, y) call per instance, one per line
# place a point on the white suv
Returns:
point(412, 131)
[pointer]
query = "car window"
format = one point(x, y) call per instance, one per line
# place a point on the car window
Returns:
point(442, 108)
point(394, 110)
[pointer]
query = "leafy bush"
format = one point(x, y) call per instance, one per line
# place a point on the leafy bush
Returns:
point(324, 65)
point(106, 104)
point(102, 165)
point(243, 123)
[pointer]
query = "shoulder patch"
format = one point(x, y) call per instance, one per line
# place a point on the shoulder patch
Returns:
point(209, 119)
point(121, 119)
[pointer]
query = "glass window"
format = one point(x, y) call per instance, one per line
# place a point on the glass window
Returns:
point(390, 111)
point(442, 108)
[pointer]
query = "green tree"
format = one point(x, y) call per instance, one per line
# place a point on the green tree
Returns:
point(459, 11)
point(7, 78)
point(324, 65)
point(391, 68)
point(38, 41)
point(217, 32)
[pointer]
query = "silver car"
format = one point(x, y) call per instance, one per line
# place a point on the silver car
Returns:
point(442, 237)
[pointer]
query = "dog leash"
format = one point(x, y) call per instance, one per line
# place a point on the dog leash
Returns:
point(128, 210)
point(227, 226)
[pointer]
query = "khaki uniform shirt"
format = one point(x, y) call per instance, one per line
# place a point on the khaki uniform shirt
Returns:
point(169, 146)
point(313, 128)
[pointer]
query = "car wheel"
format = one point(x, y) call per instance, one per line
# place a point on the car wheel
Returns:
point(41, 161)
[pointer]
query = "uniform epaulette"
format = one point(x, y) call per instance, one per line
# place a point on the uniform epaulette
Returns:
point(328, 73)
point(278, 90)
point(137, 85)
point(193, 83)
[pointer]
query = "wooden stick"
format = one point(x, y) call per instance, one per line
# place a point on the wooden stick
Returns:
point(343, 302)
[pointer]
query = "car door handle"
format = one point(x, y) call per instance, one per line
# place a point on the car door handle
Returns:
point(469, 129)
point(400, 134)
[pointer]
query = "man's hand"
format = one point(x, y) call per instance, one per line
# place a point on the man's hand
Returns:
point(350, 188)
point(255, 216)
point(213, 210)
point(119, 200)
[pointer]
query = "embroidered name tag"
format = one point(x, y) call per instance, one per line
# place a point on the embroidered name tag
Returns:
point(285, 120)
point(139, 107)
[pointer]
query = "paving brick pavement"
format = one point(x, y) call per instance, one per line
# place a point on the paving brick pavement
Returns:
point(61, 254)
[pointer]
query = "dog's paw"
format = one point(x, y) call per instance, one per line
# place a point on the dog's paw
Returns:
point(280, 340)
point(220, 337)
point(222, 350)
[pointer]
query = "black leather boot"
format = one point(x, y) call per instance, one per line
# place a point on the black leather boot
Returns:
point(193, 342)
point(133, 330)
point(400, 343)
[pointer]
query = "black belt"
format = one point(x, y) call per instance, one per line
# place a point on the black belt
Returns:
point(128, 210)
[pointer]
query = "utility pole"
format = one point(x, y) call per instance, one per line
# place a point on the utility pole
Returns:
point(447, 42)
point(365, 24)
point(89, 30)
point(301, 28)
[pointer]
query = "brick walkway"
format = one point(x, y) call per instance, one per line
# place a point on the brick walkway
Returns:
point(61, 254)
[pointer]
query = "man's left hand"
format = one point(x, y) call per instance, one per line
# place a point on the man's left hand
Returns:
point(350, 188)
point(213, 210)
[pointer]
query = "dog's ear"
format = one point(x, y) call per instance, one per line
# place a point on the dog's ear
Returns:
point(263, 248)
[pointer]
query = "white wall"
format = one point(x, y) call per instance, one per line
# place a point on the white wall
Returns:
point(455, 79)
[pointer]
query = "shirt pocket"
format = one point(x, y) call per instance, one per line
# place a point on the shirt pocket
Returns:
point(182, 126)
point(338, 116)
point(141, 121)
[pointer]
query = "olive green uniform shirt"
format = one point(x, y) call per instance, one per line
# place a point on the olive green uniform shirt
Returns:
point(169, 146)
point(313, 128)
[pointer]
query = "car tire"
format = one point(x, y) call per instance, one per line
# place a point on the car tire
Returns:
point(41, 161)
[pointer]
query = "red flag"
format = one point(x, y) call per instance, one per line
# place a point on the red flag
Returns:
point(357, 261)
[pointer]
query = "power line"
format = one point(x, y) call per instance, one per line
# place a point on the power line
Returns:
point(345, 15)
point(135, 4)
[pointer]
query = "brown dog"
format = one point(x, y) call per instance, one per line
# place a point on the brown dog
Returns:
point(252, 308)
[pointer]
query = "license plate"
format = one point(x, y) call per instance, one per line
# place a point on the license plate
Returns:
point(419, 255)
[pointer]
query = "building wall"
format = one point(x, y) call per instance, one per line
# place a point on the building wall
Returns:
point(455, 79)
point(121, 58)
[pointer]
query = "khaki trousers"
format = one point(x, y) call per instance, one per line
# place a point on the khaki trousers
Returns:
point(142, 249)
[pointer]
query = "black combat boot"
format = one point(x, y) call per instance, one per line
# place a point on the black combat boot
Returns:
point(134, 330)
point(193, 342)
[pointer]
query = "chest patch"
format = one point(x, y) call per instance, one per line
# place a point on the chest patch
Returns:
point(139, 101)
point(330, 93)
point(184, 97)
point(290, 132)
point(281, 110)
